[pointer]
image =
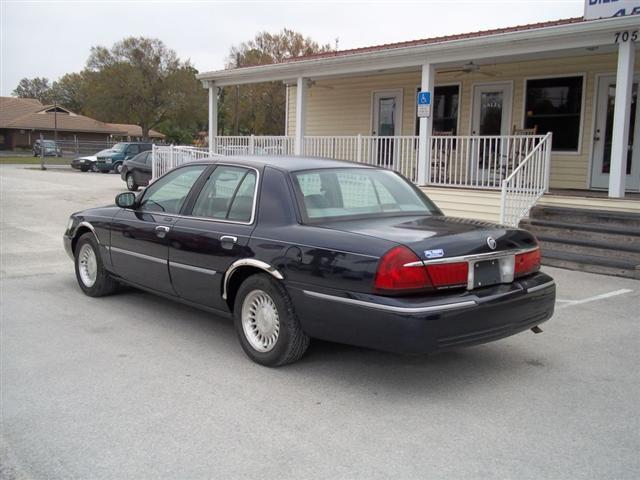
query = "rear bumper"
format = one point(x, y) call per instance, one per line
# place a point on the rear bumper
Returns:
point(106, 167)
point(424, 325)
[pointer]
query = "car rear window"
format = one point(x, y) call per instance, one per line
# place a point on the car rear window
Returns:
point(356, 192)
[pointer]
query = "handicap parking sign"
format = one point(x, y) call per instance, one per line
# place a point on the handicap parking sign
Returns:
point(424, 104)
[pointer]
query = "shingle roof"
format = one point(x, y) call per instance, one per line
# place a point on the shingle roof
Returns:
point(28, 113)
point(440, 39)
point(135, 130)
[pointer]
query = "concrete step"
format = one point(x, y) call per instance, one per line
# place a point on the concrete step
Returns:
point(622, 221)
point(588, 263)
point(606, 238)
point(588, 247)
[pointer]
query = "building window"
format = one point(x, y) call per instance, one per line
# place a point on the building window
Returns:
point(555, 105)
point(444, 109)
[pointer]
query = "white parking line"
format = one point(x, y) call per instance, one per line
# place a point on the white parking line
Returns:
point(602, 296)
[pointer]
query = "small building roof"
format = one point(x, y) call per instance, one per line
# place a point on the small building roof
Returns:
point(29, 113)
point(135, 130)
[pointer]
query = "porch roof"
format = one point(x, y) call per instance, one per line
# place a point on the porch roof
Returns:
point(568, 34)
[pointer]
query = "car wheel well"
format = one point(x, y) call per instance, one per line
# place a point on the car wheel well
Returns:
point(237, 278)
point(81, 231)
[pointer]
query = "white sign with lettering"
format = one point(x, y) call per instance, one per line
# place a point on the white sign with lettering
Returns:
point(610, 8)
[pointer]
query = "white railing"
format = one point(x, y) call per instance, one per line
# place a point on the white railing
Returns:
point(396, 153)
point(478, 161)
point(169, 156)
point(526, 183)
point(253, 145)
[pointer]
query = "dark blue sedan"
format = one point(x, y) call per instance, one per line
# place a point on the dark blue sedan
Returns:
point(295, 248)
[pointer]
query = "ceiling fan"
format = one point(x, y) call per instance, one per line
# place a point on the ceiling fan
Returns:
point(468, 68)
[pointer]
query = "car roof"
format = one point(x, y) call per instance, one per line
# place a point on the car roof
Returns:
point(284, 162)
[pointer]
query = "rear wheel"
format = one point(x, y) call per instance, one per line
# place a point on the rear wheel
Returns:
point(92, 277)
point(131, 183)
point(266, 323)
point(84, 169)
point(94, 167)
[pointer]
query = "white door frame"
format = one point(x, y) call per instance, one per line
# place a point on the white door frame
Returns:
point(597, 180)
point(377, 94)
point(507, 105)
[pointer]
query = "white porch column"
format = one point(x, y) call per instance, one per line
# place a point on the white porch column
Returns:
point(426, 124)
point(301, 110)
point(213, 115)
point(621, 114)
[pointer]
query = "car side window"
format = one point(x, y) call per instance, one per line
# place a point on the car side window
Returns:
point(168, 194)
point(228, 194)
point(133, 149)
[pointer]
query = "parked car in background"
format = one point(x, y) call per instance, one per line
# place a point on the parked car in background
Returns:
point(137, 172)
point(295, 248)
point(84, 164)
point(51, 148)
point(112, 158)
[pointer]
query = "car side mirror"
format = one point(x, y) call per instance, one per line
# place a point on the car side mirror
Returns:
point(125, 200)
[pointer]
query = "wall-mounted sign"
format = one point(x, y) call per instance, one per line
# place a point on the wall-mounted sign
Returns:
point(424, 104)
point(610, 8)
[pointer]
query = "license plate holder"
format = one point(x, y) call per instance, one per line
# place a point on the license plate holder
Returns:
point(487, 272)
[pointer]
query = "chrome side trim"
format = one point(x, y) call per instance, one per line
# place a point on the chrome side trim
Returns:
point(138, 255)
point(480, 256)
point(90, 227)
point(192, 268)
point(248, 262)
point(541, 287)
point(391, 308)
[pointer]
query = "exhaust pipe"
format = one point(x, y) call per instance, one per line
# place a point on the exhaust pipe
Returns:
point(536, 329)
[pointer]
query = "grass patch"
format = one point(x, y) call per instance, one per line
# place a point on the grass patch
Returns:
point(34, 161)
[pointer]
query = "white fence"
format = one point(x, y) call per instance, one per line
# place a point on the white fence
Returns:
point(167, 157)
point(526, 183)
point(396, 153)
point(478, 161)
point(253, 145)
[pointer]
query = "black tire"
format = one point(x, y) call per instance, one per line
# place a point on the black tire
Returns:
point(84, 169)
point(291, 343)
point(131, 183)
point(118, 168)
point(104, 171)
point(94, 168)
point(104, 283)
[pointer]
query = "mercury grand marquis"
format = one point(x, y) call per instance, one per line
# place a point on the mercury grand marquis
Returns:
point(296, 248)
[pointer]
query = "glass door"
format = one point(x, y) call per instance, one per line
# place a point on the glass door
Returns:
point(491, 118)
point(387, 115)
point(603, 138)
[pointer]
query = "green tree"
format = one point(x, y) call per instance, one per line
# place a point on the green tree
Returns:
point(260, 108)
point(37, 87)
point(141, 81)
point(70, 91)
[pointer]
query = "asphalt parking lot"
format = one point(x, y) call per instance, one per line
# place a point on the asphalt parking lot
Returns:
point(135, 386)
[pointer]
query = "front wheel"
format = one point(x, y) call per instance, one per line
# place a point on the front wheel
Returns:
point(266, 323)
point(131, 183)
point(92, 277)
point(118, 168)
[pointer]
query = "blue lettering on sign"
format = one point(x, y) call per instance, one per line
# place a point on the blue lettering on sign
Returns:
point(597, 2)
point(424, 98)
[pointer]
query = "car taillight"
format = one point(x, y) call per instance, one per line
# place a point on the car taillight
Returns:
point(527, 263)
point(448, 274)
point(400, 270)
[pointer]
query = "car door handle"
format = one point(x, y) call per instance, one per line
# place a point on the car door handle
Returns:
point(162, 230)
point(228, 241)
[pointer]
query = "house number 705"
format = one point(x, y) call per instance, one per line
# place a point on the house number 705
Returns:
point(624, 37)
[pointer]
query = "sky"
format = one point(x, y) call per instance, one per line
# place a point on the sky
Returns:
point(51, 38)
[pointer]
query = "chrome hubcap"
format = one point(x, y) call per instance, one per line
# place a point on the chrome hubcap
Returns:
point(87, 265)
point(130, 181)
point(260, 321)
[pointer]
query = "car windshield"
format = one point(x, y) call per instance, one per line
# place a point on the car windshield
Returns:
point(119, 147)
point(49, 143)
point(357, 192)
